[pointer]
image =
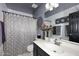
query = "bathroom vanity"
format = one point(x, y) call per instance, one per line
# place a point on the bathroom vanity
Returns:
point(38, 51)
point(46, 48)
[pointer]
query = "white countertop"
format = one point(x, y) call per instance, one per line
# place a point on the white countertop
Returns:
point(65, 49)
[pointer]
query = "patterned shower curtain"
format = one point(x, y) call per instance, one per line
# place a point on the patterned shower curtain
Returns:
point(20, 31)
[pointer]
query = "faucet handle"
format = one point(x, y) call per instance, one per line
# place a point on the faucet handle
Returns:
point(55, 41)
point(60, 38)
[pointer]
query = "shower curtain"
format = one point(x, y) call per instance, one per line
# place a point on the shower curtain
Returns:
point(20, 31)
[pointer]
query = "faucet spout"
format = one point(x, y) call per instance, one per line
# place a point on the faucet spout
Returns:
point(57, 42)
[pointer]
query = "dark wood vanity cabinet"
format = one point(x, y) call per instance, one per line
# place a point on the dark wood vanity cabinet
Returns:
point(37, 51)
point(74, 27)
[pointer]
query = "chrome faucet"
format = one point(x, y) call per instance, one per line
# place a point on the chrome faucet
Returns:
point(57, 42)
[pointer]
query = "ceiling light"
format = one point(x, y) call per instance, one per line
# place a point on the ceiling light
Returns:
point(50, 6)
point(34, 5)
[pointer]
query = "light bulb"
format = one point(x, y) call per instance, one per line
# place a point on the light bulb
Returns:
point(56, 5)
point(51, 9)
point(47, 6)
point(52, 4)
point(34, 5)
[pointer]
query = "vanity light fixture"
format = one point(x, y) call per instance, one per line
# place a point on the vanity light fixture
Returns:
point(54, 4)
point(50, 6)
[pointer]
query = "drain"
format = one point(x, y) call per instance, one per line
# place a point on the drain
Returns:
point(54, 51)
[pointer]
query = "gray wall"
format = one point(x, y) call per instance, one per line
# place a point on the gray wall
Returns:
point(62, 6)
point(2, 7)
point(14, 7)
point(40, 11)
point(63, 10)
point(20, 7)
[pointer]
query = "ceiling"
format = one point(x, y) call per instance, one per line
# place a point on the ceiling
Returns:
point(26, 5)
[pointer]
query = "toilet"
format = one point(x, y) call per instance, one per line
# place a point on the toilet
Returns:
point(30, 48)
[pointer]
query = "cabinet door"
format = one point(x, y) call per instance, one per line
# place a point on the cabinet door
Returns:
point(78, 24)
point(41, 52)
point(74, 27)
point(73, 23)
point(35, 50)
point(67, 19)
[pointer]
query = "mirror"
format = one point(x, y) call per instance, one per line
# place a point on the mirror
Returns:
point(61, 29)
point(56, 30)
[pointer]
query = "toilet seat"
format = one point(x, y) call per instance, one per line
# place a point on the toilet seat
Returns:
point(30, 48)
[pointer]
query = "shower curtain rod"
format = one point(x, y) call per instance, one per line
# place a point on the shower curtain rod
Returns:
point(17, 14)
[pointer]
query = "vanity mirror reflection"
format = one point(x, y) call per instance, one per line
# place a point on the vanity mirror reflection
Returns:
point(62, 28)
point(68, 27)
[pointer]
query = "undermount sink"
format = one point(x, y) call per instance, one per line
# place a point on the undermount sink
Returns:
point(55, 48)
